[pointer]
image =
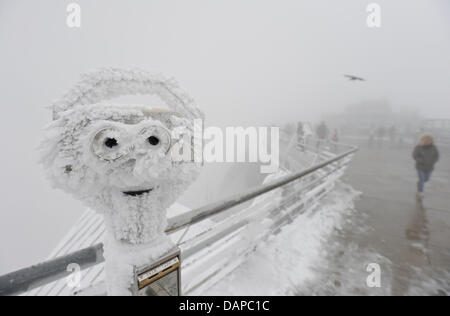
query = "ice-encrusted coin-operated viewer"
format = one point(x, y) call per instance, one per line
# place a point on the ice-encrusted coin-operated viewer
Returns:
point(116, 158)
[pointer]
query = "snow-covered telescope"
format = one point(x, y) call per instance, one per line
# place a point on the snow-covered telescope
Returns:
point(118, 160)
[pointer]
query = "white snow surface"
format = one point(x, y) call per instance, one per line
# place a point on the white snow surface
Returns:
point(282, 264)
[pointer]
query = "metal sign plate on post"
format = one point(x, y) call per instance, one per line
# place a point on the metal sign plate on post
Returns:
point(161, 278)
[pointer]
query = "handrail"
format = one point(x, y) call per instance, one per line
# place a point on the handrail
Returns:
point(37, 275)
point(46, 272)
point(204, 212)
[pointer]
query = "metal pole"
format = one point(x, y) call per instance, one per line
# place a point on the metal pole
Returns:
point(29, 278)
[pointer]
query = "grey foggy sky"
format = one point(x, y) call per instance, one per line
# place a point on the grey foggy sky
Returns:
point(249, 62)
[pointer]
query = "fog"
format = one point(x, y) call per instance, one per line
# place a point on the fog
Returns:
point(246, 63)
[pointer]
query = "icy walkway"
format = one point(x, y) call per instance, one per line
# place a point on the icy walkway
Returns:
point(327, 251)
point(414, 237)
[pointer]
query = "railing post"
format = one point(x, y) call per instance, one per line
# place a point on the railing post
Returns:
point(148, 269)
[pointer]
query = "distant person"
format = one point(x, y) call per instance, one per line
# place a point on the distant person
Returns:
point(301, 136)
point(425, 155)
point(335, 139)
point(371, 137)
point(381, 133)
point(392, 134)
point(400, 140)
point(322, 133)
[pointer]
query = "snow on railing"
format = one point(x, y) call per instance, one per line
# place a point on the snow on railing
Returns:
point(213, 249)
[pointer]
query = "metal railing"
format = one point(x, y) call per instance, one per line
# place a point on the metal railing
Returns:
point(199, 214)
point(292, 197)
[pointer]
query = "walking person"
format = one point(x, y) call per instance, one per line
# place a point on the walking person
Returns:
point(301, 136)
point(322, 133)
point(425, 155)
point(335, 139)
point(392, 135)
point(371, 137)
point(381, 132)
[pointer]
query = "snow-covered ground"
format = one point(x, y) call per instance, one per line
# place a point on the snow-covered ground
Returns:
point(286, 262)
point(316, 255)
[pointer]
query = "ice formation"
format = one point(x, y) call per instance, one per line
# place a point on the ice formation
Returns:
point(116, 158)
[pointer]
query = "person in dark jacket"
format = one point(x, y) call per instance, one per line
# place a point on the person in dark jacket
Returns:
point(425, 155)
point(301, 136)
point(322, 132)
point(381, 133)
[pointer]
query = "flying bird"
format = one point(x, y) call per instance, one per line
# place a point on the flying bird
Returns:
point(353, 78)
